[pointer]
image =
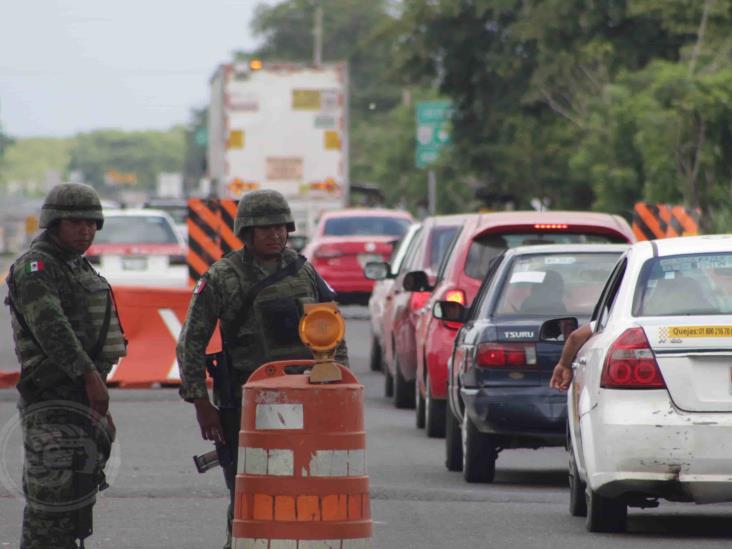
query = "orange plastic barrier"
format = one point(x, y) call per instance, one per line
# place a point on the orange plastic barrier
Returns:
point(301, 477)
point(152, 319)
point(8, 379)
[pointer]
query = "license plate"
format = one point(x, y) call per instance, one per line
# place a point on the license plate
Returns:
point(134, 263)
point(367, 258)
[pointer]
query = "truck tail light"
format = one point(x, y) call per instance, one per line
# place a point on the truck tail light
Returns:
point(506, 355)
point(630, 363)
point(457, 296)
point(418, 300)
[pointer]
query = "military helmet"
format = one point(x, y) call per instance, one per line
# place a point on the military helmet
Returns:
point(264, 207)
point(71, 201)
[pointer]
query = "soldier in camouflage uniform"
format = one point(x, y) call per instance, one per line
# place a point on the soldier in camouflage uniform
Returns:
point(67, 338)
point(259, 319)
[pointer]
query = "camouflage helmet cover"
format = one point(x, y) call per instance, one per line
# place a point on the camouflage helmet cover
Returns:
point(71, 201)
point(264, 207)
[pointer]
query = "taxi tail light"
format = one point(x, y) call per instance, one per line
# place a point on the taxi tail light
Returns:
point(458, 296)
point(178, 260)
point(630, 363)
point(327, 252)
point(506, 355)
point(418, 300)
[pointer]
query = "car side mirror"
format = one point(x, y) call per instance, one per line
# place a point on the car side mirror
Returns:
point(376, 270)
point(416, 281)
point(558, 329)
point(451, 311)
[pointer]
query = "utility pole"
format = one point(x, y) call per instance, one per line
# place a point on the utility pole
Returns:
point(318, 35)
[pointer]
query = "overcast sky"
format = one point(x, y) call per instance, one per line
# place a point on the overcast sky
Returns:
point(75, 65)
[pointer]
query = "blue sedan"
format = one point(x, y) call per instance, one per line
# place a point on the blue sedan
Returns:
point(498, 382)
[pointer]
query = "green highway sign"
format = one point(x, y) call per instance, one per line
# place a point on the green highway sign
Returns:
point(433, 130)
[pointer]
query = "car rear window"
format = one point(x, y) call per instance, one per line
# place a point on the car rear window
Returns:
point(554, 284)
point(694, 284)
point(136, 229)
point(486, 247)
point(362, 225)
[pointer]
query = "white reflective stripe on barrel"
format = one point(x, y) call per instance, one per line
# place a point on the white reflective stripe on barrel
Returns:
point(281, 462)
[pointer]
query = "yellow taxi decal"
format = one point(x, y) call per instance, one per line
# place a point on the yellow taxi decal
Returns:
point(694, 331)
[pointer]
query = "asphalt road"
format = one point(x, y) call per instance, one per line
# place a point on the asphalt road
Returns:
point(157, 500)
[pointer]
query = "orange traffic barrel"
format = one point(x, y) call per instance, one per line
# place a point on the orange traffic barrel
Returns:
point(301, 475)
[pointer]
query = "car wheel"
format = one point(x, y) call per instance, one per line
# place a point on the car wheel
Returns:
point(605, 514)
point(479, 453)
point(375, 361)
point(434, 413)
point(388, 383)
point(453, 442)
point(577, 500)
point(403, 389)
point(420, 407)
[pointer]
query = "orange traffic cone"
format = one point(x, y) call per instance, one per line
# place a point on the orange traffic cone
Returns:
point(301, 481)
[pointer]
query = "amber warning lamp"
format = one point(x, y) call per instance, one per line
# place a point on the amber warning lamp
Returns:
point(321, 330)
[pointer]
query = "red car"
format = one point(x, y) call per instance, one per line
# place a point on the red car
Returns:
point(403, 307)
point(345, 240)
point(482, 238)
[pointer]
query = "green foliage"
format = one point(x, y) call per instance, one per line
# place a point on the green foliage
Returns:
point(591, 103)
point(143, 153)
point(32, 158)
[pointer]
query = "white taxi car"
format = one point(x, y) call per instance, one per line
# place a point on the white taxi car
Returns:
point(650, 405)
point(140, 247)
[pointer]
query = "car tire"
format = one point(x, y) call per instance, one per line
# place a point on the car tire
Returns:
point(388, 383)
point(375, 360)
point(605, 514)
point(403, 389)
point(434, 413)
point(419, 410)
point(577, 498)
point(453, 442)
point(479, 453)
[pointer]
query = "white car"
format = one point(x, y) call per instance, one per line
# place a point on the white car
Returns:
point(140, 247)
point(381, 291)
point(650, 405)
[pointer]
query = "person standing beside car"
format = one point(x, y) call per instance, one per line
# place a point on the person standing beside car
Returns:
point(67, 338)
point(256, 294)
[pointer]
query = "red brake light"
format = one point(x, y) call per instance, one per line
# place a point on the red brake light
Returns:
point(457, 296)
point(418, 300)
point(506, 355)
point(327, 252)
point(551, 226)
point(630, 363)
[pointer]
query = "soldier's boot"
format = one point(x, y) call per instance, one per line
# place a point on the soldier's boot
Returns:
point(45, 530)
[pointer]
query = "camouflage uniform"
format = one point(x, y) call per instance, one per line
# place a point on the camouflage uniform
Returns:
point(59, 305)
point(254, 332)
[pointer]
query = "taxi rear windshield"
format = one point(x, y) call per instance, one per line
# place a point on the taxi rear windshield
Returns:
point(136, 229)
point(486, 247)
point(367, 226)
point(694, 284)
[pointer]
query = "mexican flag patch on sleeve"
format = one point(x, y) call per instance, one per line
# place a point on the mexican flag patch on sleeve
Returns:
point(200, 285)
point(34, 266)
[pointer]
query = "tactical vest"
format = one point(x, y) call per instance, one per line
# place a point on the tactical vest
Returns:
point(268, 330)
point(84, 298)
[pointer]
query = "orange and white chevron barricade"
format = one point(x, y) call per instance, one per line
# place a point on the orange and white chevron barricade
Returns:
point(301, 481)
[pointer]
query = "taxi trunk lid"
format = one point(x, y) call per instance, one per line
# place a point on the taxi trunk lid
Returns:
point(694, 354)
